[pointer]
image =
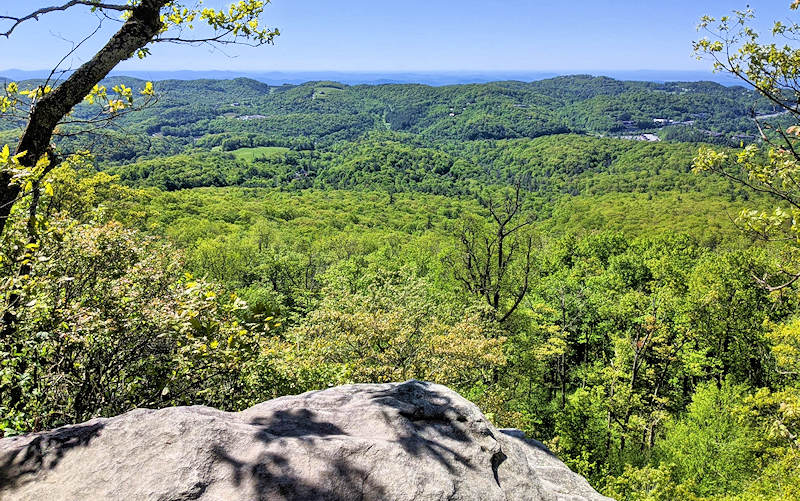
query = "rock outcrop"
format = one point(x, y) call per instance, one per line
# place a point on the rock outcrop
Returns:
point(406, 441)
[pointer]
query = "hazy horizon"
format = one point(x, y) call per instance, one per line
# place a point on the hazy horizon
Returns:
point(435, 78)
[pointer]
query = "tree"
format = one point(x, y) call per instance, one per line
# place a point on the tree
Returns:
point(110, 321)
point(395, 327)
point(144, 22)
point(712, 445)
point(496, 262)
point(773, 168)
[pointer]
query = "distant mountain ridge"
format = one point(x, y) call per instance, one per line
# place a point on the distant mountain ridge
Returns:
point(378, 78)
point(230, 114)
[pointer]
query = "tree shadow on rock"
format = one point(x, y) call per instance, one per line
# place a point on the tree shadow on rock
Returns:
point(297, 423)
point(427, 414)
point(275, 477)
point(20, 465)
point(426, 424)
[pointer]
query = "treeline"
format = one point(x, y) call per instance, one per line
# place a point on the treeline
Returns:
point(548, 166)
point(647, 360)
point(328, 112)
point(244, 242)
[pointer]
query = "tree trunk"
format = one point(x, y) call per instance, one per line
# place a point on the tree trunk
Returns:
point(143, 25)
point(8, 195)
point(139, 30)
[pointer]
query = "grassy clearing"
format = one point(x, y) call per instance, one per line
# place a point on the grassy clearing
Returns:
point(250, 154)
point(323, 92)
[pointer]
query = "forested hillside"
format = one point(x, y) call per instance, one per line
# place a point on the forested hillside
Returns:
point(241, 112)
point(523, 243)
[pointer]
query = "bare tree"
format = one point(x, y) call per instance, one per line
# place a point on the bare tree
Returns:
point(496, 263)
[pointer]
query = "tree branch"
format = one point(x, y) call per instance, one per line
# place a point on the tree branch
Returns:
point(16, 21)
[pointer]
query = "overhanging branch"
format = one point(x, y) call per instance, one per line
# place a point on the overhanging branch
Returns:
point(16, 21)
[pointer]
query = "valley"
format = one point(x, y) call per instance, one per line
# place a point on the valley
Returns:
point(336, 234)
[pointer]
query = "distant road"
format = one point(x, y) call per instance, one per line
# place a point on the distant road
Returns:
point(772, 115)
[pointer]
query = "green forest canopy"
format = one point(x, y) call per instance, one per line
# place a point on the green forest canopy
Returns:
point(239, 242)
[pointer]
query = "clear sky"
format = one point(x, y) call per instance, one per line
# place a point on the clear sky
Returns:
point(417, 35)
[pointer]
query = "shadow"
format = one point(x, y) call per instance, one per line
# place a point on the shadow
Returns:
point(295, 423)
point(273, 475)
point(274, 478)
point(519, 434)
point(424, 423)
point(19, 466)
point(427, 424)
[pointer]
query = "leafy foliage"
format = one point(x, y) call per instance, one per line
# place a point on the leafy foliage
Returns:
point(240, 241)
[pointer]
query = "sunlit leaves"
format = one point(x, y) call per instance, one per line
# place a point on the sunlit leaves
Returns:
point(148, 89)
point(736, 47)
point(773, 170)
point(239, 22)
point(21, 175)
point(11, 99)
point(396, 330)
point(121, 98)
point(241, 19)
point(5, 104)
point(125, 93)
point(36, 93)
point(786, 348)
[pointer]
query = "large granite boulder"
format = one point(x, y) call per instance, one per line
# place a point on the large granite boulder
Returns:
point(406, 441)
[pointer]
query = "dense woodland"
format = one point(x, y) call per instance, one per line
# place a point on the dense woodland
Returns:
point(230, 114)
point(234, 242)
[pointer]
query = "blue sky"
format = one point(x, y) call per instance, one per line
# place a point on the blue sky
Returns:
point(417, 35)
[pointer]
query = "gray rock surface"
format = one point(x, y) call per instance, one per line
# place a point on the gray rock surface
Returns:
point(404, 441)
